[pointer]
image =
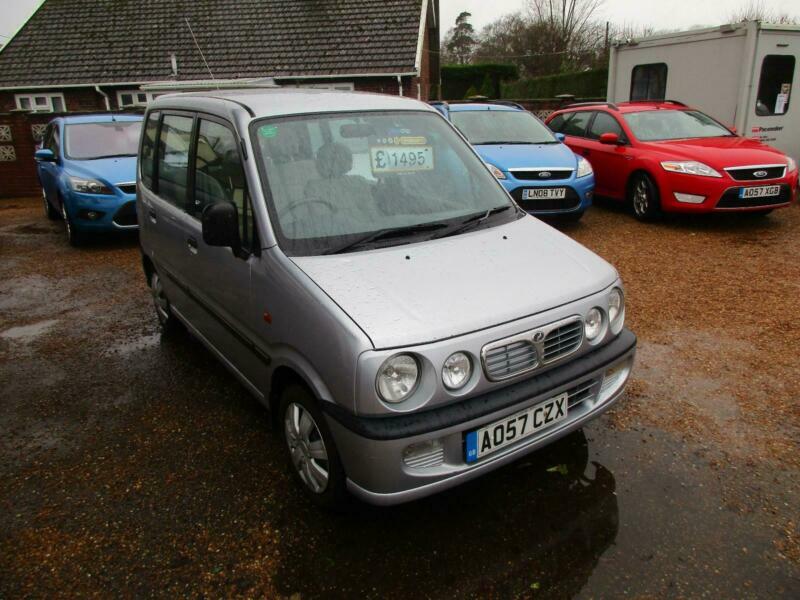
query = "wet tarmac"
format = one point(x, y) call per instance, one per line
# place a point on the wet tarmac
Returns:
point(133, 464)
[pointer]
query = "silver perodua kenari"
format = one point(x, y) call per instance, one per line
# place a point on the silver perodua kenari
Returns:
point(358, 268)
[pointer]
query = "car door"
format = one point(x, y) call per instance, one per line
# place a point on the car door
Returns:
point(219, 280)
point(574, 128)
point(49, 171)
point(609, 161)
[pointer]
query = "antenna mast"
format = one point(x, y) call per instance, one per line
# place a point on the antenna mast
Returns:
point(189, 25)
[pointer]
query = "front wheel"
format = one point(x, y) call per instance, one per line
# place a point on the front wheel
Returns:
point(74, 235)
point(49, 212)
point(312, 454)
point(644, 198)
point(166, 318)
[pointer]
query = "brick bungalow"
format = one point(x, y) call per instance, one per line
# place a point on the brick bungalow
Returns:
point(99, 55)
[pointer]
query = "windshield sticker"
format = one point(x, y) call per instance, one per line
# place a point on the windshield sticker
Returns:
point(400, 159)
point(413, 140)
point(268, 131)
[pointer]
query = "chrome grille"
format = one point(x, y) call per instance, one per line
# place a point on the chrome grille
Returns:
point(757, 172)
point(541, 174)
point(510, 359)
point(433, 458)
point(562, 341)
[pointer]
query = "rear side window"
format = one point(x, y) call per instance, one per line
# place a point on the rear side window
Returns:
point(173, 159)
point(576, 124)
point(557, 123)
point(775, 85)
point(219, 175)
point(149, 149)
point(605, 123)
point(649, 82)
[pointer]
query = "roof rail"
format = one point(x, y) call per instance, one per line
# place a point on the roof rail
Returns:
point(479, 101)
point(610, 105)
point(675, 102)
point(678, 102)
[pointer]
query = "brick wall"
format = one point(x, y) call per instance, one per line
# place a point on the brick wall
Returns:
point(17, 167)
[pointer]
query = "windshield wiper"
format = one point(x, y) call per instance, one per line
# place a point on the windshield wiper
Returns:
point(382, 234)
point(472, 221)
point(496, 143)
point(107, 156)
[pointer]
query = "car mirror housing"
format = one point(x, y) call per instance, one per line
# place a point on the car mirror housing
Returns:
point(609, 138)
point(45, 155)
point(561, 137)
point(220, 222)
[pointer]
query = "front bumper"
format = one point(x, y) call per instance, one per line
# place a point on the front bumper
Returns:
point(578, 197)
point(102, 212)
point(722, 194)
point(372, 448)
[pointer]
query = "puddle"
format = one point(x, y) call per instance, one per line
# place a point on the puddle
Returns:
point(27, 333)
point(136, 345)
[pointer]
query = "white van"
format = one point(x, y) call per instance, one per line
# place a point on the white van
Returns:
point(743, 74)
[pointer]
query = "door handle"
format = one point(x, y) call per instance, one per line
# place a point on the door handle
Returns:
point(152, 214)
point(192, 243)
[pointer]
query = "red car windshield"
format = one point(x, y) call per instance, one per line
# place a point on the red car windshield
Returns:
point(659, 125)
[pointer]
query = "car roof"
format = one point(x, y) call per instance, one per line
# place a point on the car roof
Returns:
point(628, 107)
point(468, 106)
point(102, 118)
point(269, 102)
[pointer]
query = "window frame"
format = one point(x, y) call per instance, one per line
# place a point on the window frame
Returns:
point(572, 114)
point(633, 81)
point(153, 187)
point(771, 109)
point(623, 136)
point(31, 97)
point(156, 176)
point(136, 104)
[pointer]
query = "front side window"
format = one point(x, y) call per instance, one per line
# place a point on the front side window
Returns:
point(658, 125)
point(775, 85)
point(576, 124)
point(219, 175)
point(336, 180)
point(173, 158)
point(149, 149)
point(557, 123)
point(605, 123)
point(51, 141)
point(501, 127)
point(649, 82)
point(90, 141)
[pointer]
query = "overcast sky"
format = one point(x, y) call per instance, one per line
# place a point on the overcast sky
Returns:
point(661, 14)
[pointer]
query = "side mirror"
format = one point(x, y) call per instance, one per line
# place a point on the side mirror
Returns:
point(612, 139)
point(44, 155)
point(220, 223)
point(561, 137)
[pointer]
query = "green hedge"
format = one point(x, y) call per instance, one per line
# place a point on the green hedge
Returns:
point(457, 79)
point(584, 84)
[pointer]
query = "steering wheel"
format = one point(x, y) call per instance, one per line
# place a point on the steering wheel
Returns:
point(297, 205)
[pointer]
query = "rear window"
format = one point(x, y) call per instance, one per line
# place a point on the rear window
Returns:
point(775, 85)
point(89, 141)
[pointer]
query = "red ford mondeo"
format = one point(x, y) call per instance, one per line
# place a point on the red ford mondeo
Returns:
point(666, 156)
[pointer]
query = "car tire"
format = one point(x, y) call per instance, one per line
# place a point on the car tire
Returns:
point(166, 318)
point(310, 450)
point(50, 212)
point(644, 198)
point(74, 235)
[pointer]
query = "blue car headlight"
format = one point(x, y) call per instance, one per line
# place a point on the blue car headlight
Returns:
point(584, 167)
point(495, 171)
point(89, 186)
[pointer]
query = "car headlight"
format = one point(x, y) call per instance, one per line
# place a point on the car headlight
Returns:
point(496, 172)
point(791, 164)
point(593, 324)
point(456, 371)
point(689, 167)
point(616, 310)
point(89, 186)
point(584, 167)
point(397, 378)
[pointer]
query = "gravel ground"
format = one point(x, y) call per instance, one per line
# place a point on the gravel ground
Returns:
point(134, 465)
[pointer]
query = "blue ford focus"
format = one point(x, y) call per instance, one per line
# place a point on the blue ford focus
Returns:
point(541, 173)
point(87, 168)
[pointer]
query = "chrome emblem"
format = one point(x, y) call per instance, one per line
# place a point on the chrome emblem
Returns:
point(538, 337)
point(760, 174)
point(544, 174)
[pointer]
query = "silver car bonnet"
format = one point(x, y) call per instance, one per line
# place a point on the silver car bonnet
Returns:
point(423, 292)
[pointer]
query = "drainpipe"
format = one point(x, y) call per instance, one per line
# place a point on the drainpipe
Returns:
point(400, 84)
point(105, 97)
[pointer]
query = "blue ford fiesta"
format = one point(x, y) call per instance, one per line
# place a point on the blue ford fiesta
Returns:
point(87, 168)
point(542, 174)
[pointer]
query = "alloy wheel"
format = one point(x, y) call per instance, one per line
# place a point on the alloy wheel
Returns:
point(67, 224)
point(306, 448)
point(641, 198)
point(160, 299)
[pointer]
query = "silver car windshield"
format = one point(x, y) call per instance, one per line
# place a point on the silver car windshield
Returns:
point(354, 181)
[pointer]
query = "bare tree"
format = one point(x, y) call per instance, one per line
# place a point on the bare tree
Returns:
point(756, 10)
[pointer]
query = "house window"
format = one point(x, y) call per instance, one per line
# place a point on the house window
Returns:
point(342, 86)
point(127, 98)
point(649, 82)
point(775, 85)
point(41, 102)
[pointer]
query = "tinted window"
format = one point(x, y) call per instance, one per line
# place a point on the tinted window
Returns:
point(649, 82)
point(501, 127)
point(775, 85)
point(51, 141)
point(605, 123)
point(89, 141)
point(219, 176)
point(576, 124)
point(557, 123)
point(655, 125)
point(173, 158)
point(149, 149)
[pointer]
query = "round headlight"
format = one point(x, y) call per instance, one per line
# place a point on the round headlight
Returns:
point(593, 324)
point(397, 378)
point(616, 310)
point(456, 371)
